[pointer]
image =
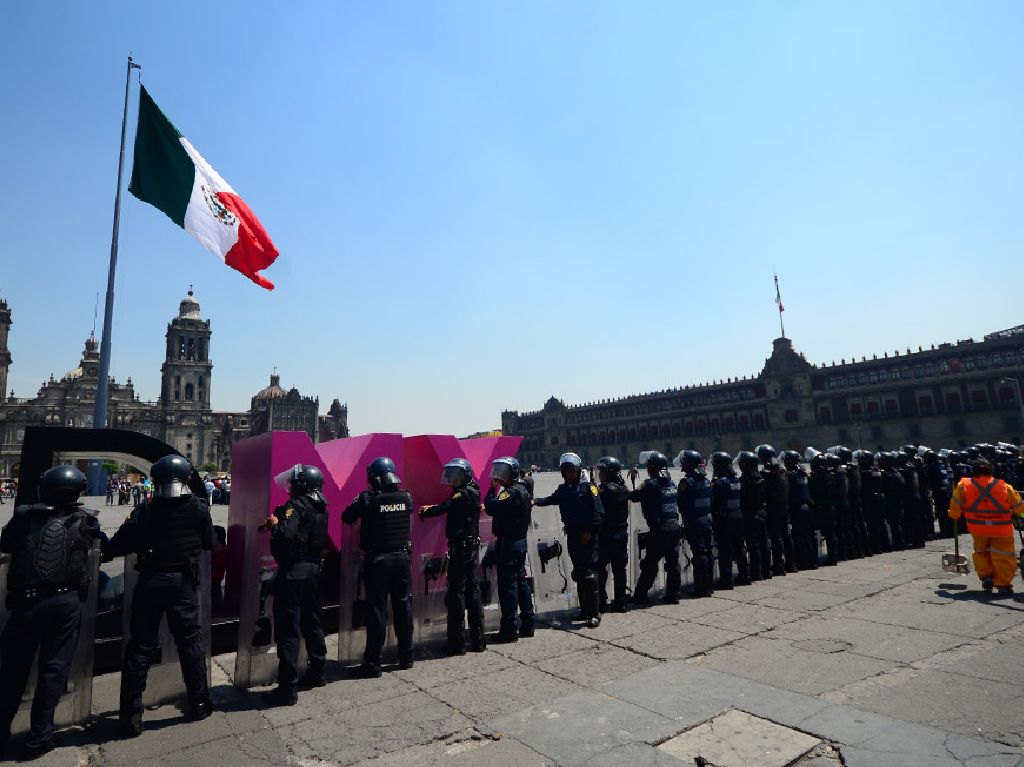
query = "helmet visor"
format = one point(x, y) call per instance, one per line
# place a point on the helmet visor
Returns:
point(454, 476)
point(285, 478)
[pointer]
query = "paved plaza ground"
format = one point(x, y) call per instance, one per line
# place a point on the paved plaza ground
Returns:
point(880, 661)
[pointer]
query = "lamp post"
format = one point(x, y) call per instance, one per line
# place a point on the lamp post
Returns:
point(1016, 386)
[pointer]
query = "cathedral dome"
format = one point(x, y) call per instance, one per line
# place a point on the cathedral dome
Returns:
point(188, 309)
point(89, 364)
point(273, 391)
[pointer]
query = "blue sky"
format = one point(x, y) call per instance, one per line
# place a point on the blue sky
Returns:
point(479, 205)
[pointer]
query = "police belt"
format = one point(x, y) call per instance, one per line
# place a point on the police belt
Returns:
point(464, 540)
point(39, 592)
point(389, 550)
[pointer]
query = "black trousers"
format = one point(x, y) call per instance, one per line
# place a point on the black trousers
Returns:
point(783, 553)
point(49, 625)
point(804, 543)
point(699, 536)
point(514, 591)
point(755, 531)
point(728, 529)
point(297, 614)
point(175, 595)
point(613, 550)
point(662, 543)
point(388, 574)
point(463, 595)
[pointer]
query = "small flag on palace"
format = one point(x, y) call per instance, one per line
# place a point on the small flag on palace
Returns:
point(173, 177)
point(778, 295)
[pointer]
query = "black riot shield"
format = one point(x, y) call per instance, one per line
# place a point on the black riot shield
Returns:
point(75, 705)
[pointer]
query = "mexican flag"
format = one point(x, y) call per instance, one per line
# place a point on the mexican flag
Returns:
point(173, 177)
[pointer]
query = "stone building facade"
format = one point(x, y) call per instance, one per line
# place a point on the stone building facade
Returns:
point(947, 396)
point(181, 416)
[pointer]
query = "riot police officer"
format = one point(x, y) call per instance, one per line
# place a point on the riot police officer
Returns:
point(821, 485)
point(913, 505)
point(383, 513)
point(509, 507)
point(613, 541)
point(167, 534)
point(872, 498)
point(959, 466)
point(776, 502)
point(858, 527)
point(49, 543)
point(727, 523)
point(462, 528)
point(579, 505)
point(659, 503)
point(801, 512)
point(840, 506)
point(941, 488)
point(694, 502)
point(298, 538)
point(893, 487)
point(755, 517)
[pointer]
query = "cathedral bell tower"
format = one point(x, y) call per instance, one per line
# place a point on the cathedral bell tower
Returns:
point(185, 382)
point(5, 355)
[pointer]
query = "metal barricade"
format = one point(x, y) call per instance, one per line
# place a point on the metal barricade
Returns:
point(429, 580)
point(548, 558)
point(164, 683)
point(75, 706)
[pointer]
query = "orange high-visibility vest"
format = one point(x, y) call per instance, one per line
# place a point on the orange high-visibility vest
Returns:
point(987, 507)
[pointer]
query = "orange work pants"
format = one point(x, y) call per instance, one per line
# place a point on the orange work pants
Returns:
point(995, 558)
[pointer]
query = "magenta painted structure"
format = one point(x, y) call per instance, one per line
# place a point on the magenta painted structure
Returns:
point(257, 460)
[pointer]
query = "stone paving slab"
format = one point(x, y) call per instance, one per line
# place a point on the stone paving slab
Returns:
point(487, 696)
point(678, 641)
point(737, 739)
point(749, 619)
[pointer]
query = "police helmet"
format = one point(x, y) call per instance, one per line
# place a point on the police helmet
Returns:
point(930, 456)
point(608, 468)
point(766, 454)
point(747, 461)
point(845, 454)
point(505, 470)
point(987, 450)
point(61, 485)
point(909, 450)
point(457, 472)
point(791, 458)
point(955, 456)
point(972, 452)
point(720, 460)
point(301, 479)
point(570, 459)
point(819, 462)
point(810, 453)
point(382, 474)
point(689, 460)
point(832, 460)
point(171, 475)
point(865, 458)
point(656, 462)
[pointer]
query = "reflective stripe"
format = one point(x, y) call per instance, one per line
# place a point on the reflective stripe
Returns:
point(985, 493)
point(991, 522)
point(1004, 552)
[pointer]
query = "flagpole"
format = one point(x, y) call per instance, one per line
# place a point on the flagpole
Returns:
point(778, 300)
point(99, 418)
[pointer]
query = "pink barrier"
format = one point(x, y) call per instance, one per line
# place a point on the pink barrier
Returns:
point(257, 460)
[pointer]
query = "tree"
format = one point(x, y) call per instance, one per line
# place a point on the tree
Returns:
point(110, 468)
point(209, 467)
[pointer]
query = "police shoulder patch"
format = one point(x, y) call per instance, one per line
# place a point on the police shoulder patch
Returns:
point(503, 495)
point(457, 496)
point(593, 489)
point(288, 511)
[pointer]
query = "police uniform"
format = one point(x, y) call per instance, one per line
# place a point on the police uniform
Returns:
point(659, 502)
point(858, 527)
point(727, 520)
point(873, 503)
point(776, 501)
point(511, 512)
point(694, 502)
point(167, 534)
point(755, 527)
point(582, 513)
point(941, 486)
point(45, 587)
point(893, 486)
point(841, 511)
point(913, 508)
point(801, 513)
point(297, 542)
point(384, 537)
point(613, 542)
point(821, 485)
point(462, 528)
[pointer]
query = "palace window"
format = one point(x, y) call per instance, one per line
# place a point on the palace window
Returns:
point(953, 404)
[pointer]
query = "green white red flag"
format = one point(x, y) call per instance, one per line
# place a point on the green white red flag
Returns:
point(173, 177)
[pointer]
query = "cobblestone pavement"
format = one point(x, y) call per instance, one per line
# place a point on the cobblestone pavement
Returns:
point(880, 661)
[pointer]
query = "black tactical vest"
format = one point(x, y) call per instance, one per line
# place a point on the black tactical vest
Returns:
point(752, 496)
point(170, 533)
point(799, 491)
point(312, 534)
point(615, 499)
point(56, 549)
point(385, 522)
point(776, 487)
point(463, 518)
point(514, 523)
point(725, 496)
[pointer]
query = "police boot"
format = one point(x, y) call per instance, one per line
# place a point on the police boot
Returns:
point(366, 671)
point(31, 753)
point(130, 724)
point(200, 706)
point(282, 695)
point(477, 639)
point(312, 678)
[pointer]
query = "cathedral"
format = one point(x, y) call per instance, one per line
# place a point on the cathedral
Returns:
point(181, 417)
